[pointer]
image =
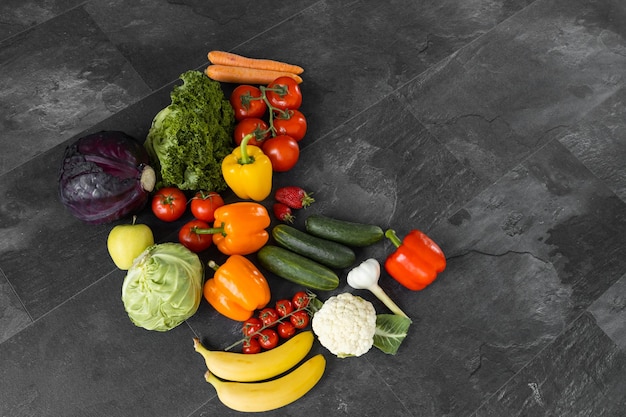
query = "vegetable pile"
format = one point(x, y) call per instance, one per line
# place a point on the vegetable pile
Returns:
point(203, 144)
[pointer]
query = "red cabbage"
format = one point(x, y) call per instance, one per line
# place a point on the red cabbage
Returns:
point(105, 176)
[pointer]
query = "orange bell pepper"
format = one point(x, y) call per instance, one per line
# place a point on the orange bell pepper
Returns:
point(237, 288)
point(417, 260)
point(239, 228)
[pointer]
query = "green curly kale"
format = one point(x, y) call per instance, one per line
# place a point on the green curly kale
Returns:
point(189, 138)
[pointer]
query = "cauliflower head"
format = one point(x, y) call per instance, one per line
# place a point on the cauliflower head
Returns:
point(345, 325)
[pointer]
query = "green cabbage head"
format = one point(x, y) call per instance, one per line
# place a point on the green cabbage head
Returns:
point(163, 287)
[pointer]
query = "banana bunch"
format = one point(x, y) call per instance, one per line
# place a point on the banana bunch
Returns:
point(243, 382)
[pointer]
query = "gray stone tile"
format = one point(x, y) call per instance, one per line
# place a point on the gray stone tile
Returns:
point(508, 93)
point(598, 141)
point(581, 374)
point(59, 78)
point(13, 316)
point(19, 15)
point(609, 310)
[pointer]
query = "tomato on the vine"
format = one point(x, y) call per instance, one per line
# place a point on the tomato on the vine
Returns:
point(291, 123)
point(283, 307)
point(169, 204)
point(300, 319)
point(204, 204)
point(251, 326)
point(283, 151)
point(195, 242)
point(247, 101)
point(300, 300)
point(268, 339)
point(253, 125)
point(284, 93)
point(286, 329)
point(268, 316)
point(251, 346)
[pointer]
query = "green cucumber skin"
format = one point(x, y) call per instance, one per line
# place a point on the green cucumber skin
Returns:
point(326, 252)
point(297, 268)
point(344, 232)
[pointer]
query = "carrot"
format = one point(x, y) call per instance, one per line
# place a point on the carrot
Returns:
point(227, 58)
point(242, 75)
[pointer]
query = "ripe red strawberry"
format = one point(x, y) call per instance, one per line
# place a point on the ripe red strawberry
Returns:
point(283, 213)
point(294, 197)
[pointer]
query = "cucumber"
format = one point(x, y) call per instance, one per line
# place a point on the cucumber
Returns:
point(297, 268)
point(344, 232)
point(326, 252)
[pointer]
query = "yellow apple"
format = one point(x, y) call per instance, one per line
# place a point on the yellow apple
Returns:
point(127, 241)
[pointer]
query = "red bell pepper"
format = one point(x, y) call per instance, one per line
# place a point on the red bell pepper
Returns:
point(417, 260)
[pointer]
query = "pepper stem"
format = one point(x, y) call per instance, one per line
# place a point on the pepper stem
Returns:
point(391, 235)
point(210, 231)
point(245, 157)
point(214, 266)
point(382, 296)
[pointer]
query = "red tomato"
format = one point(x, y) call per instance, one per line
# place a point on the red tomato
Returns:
point(300, 300)
point(247, 101)
point(251, 326)
point(204, 204)
point(258, 127)
point(251, 346)
point(291, 123)
point(268, 339)
point(268, 317)
point(300, 319)
point(286, 329)
point(284, 93)
point(283, 151)
point(169, 204)
point(195, 242)
point(283, 307)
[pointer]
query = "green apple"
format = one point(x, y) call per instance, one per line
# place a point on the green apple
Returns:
point(127, 241)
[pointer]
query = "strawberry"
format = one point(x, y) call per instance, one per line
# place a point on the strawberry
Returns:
point(294, 197)
point(283, 213)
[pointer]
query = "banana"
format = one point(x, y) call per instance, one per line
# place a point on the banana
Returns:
point(269, 395)
point(243, 367)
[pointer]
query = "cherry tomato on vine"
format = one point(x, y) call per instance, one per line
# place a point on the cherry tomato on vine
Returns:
point(204, 204)
point(251, 326)
point(247, 101)
point(283, 307)
point(284, 93)
point(258, 127)
point(268, 339)
point(251, 346)
point(286, 329)
point(300, 319)
point(169, 204)
point(291, 123)
point(268, 316)
point(283, 151)
point(300, 300)
point(195, 242)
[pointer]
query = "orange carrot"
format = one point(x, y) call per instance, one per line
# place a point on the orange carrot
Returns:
point(242, 75)
point(228, 58)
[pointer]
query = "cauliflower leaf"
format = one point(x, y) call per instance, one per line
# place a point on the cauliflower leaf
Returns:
point(391, 329)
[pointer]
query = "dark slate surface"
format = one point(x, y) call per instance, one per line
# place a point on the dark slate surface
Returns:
point(497, 127)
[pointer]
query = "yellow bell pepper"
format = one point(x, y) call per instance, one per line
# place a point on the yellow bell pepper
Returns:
point(248, 171)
